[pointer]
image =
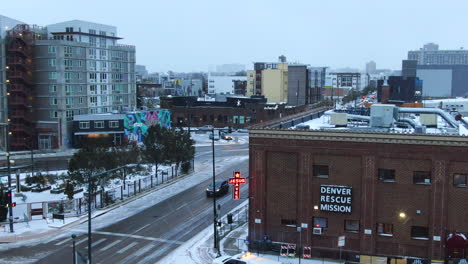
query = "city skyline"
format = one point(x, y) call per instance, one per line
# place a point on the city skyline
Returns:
point(186, 36)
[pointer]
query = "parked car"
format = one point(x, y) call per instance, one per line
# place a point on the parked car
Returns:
point(206, 128)
point(221, 188)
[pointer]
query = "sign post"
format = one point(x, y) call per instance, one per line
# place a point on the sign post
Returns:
point(341, 243)
point(237, 181)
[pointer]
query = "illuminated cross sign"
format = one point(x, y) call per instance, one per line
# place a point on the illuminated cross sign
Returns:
point(237, 181)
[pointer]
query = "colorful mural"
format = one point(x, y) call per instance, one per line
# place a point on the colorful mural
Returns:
point(136, 124)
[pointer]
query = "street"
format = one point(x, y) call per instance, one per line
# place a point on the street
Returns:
point(149, 235)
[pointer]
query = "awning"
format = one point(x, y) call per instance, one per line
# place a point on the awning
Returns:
point(457, 241)
point(99, 132)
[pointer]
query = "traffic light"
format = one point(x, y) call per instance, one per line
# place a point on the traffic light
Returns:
point(13, 204)
point(218, 223)
point(8, 200)
point(229, 218)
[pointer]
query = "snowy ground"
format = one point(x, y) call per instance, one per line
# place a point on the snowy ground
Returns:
point(40, 228)
point(201, 139)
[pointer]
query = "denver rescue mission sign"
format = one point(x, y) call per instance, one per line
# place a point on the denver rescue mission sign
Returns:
point(336, 198)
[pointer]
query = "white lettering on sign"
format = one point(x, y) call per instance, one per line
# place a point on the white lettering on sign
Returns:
point(334, 198)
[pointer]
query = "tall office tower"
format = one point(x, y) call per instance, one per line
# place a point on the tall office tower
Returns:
point(371, 67)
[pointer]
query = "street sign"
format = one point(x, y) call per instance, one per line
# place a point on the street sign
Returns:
point(341, 241)
point(237, 181)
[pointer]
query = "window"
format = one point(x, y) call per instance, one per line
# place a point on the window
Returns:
point(93, 99)
point(93, 89)
point(69, 100)
point(81, 100)
point(52, 49)
point(52, 62)
point(53, 101)
point(68, 51)
point(422, 177)
point(386, 175)
point(69, 114)
point(113, 124)
point(53, 114)
point(288, 222)
point(84, 125)
point(68, 88)
point(52, 88)
point(321, 171)
point(385, 229)
point(52, 76)
point(419, 232)
point(320, 222)
point(352, 225)
point(460, 180)
point(98, 124)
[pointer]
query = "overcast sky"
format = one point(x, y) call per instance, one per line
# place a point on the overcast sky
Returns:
point(192, 35)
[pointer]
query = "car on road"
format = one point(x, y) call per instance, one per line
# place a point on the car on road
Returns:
point(215, 136)
point(246, 258)
point(221, 188)
point(225, 137)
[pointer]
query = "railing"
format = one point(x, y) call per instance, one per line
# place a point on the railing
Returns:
point(100, 199)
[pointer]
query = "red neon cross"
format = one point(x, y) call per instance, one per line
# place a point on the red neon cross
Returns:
point(237, 181)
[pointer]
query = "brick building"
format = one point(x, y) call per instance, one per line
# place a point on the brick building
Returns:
point(391, 195)
point(236, 112)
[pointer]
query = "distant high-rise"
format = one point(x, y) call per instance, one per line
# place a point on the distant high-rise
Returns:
point(371, 67)
point(230, 68)
point(431, 55)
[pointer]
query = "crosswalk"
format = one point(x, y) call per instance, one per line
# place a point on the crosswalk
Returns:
point(124, 250)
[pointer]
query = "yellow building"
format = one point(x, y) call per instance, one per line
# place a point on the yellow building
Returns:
point(269, 80)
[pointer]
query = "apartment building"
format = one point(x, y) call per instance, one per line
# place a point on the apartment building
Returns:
point(269, 80)
point(78, 67)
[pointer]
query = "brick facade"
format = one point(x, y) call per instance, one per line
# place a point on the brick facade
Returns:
point(284, 190)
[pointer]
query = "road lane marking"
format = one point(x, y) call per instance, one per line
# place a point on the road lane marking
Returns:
point(139, 237)
point(63, 241)
point(129, 246)
point(110, 245)
point(141, 228)
point(97, 242)
point(144, 250)
point(81, 241)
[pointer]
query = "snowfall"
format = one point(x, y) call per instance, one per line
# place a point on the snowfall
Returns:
point(196, 250)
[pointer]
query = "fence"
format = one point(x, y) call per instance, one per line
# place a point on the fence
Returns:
point(233, 245)
point(100, 199)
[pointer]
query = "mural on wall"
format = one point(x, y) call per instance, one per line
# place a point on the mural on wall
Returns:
point(136, 124)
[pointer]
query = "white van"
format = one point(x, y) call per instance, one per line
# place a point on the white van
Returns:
point(247, 258)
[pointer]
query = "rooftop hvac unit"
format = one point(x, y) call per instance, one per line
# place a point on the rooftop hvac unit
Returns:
point(339, 119)
point(317, 231)
point(429, 120)
point(382, 115)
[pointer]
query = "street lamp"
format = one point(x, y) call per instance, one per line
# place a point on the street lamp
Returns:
point(215, 215)
point(73, 236)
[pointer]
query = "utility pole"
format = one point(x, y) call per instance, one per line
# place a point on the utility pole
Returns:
point(10, 199)
point(90, 179)
point(215, 215)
